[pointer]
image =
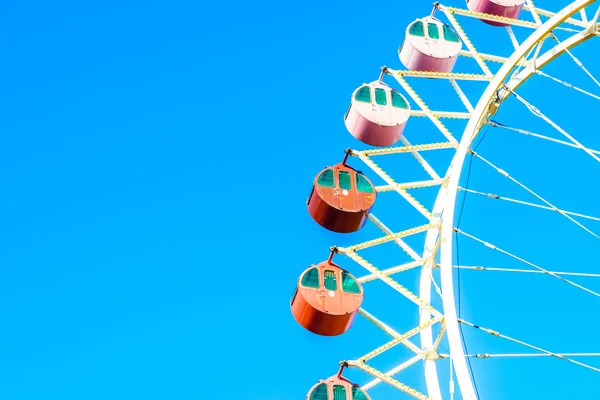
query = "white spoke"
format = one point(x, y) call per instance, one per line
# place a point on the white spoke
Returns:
point(537, 135)
point(485, 355)
point(579, 63)
point(528, 271)
point(535, 111)
point(570, 86)
point(513, 38)
point(497, 334)
point(491, 246)
point(496, 197)
point(505, 174)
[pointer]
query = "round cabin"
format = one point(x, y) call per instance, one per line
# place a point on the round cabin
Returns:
point(336, 388)
point(327, 299)
point(429, 45)
point(377, 114)
point(341, 199)
point(500, 8)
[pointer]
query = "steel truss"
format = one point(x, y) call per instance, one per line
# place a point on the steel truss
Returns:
point(439, 225)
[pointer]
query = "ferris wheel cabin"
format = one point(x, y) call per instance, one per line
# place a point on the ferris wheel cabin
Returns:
point(341, 199)
point(500, 8)
point(430, 45)
point(336, 388)
point(377, 114)
point(327, 299)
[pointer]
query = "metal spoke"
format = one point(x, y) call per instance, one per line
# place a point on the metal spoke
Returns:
point(497, 124)
point(497, 197)
point(506, 174)
point(491, 246)
point(549, 353)
point(528, 271)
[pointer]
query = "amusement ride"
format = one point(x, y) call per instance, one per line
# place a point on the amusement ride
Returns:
point(328, 298)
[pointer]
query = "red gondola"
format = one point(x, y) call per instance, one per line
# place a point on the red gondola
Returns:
point(341, 198)
point(327, 299)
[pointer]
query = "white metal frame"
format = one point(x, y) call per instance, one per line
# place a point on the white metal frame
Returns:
point(447, 196)
point(439, 222)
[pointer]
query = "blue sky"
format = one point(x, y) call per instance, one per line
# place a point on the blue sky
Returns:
point(155, 162)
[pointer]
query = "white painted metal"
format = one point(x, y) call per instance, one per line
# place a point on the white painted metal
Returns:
point(449, 202)
point(533, 11)
point(391, 271)
point(381, 325)
point(507, 175)
point(493, 247)
point(572, 21)
point(463, 36)
point(500, 335)
point(516, 355)
point(513, 38)
point(428, 168)
point(527, 271)
point(568, 85)
point(441, 114)
point(461, 95)
point(393, 371)
point(526, 203)
point(431, 376)
point(403, 245)
point(439, 237)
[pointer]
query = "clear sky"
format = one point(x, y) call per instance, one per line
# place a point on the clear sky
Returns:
point(155, 159)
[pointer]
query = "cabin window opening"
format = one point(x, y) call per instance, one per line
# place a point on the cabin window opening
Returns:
point(433, 31)
point(416, 29)
point(330, 280)
point(344, 178)
point(349, 284)
point(449, 35)
point(398, 101)
point(363, 94)
point(358, 394)
point(339, 392)
point(311, 278)
point(363, 185)
point(326, 178)
point(319, 393)
point(381, 96)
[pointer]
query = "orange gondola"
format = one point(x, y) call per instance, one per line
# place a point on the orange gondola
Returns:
point(341, 198)
point(327, 299)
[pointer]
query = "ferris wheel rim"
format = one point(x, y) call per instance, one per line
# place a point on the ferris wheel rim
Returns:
point(444, 207)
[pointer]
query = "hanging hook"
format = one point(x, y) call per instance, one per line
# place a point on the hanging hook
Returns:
point(344, 364)
point(436, 5)
point(333, 250)
point(348, 151)
point(384, 71)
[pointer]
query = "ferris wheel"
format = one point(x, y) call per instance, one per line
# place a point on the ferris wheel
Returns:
point(328, 297)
